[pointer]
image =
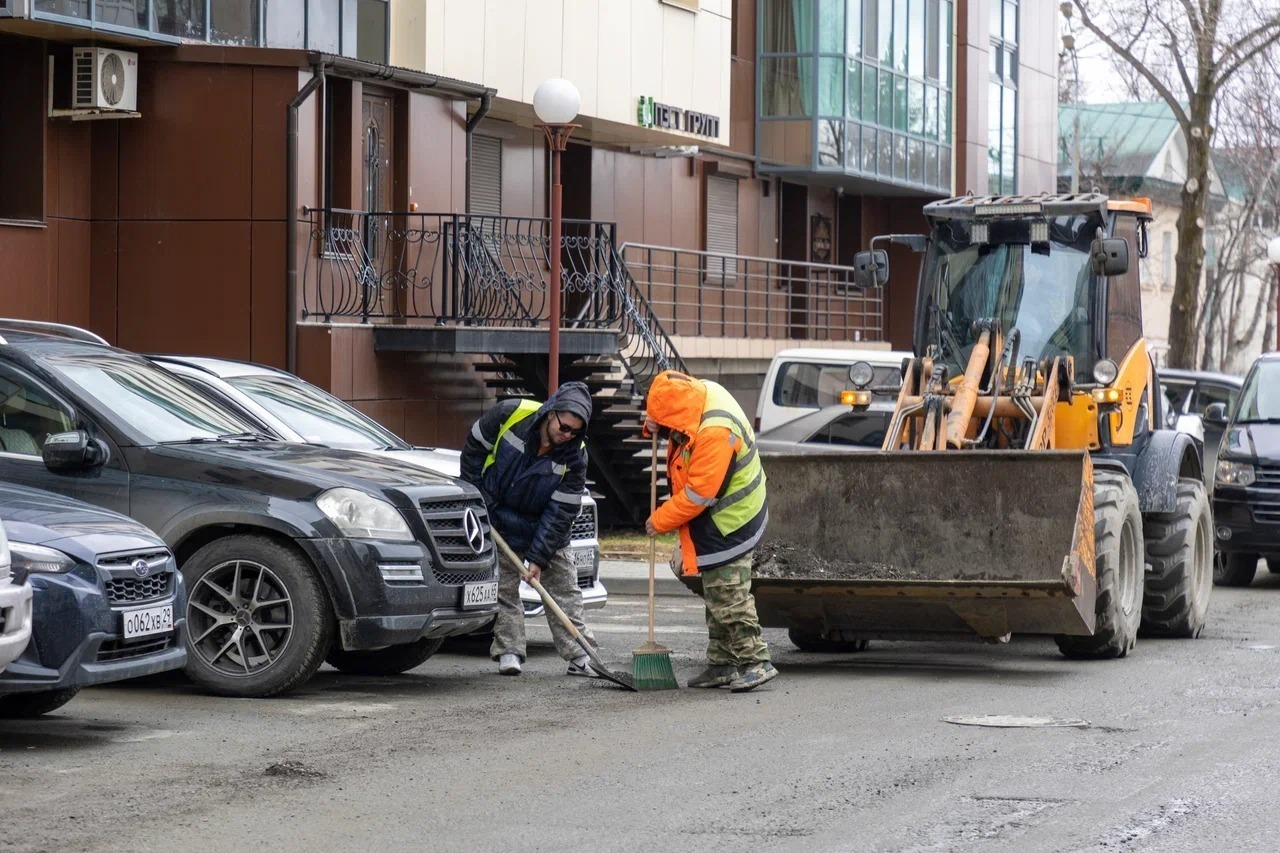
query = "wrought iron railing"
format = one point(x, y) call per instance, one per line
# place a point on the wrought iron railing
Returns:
point(708, 294)
point(456, 268)
point(647, 348)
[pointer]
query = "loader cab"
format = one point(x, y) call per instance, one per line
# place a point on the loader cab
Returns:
point(1035, 274)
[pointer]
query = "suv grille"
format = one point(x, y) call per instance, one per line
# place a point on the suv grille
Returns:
point(584, 526)
point(1268, 476)
point(124, 587)
point(113, 650)
point(458, 561)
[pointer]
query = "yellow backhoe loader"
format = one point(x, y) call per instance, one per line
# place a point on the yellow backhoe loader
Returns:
point(1025, 484)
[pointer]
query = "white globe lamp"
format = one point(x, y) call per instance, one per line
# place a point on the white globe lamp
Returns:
point(1273, 250)
point(556, 101)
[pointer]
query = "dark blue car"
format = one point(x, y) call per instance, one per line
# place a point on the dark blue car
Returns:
point(107, 600)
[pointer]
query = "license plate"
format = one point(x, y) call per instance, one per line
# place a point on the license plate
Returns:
point(480, 594)
point(583, 558)
point(150, 620)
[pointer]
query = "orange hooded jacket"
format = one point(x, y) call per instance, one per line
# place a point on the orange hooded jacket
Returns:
point(677, 401)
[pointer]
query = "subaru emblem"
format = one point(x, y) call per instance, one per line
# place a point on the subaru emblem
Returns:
point(473, 531)
point(141, 568)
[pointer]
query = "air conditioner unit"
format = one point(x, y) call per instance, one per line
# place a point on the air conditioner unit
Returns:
point(104, 78)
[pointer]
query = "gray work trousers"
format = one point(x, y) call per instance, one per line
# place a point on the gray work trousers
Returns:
point(560, 580)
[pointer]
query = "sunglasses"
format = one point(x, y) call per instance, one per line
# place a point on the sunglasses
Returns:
point(567, 430)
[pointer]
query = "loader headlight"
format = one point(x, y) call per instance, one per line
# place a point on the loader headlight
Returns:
point(1105, 372)
point(1235, 473)
point(855, 398)
point(861, 374)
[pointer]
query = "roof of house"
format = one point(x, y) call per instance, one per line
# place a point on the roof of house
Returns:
point(1123, 139)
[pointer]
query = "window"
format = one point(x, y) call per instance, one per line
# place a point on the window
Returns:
point(22, 67)
point(854, 429)
point(722, 226)
point(122, 13)
point(181, 18)
point(28, 415)
point(371, 30)
point(806, 385)
point(66, 8)
point(1208, 393)
point(484, 188)
point(1176, 395)
point(1166, 260)
point(285, 23)
point(234, 22)
point(1002, 107)
point(1124, 301)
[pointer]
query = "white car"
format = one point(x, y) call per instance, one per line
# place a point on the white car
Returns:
point(802, 381)
point(294, 410)
point(15, 609)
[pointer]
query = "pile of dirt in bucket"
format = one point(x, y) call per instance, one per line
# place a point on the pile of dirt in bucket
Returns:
point(790, 561)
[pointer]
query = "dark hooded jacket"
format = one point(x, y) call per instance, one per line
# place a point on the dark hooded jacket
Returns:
point(532, 499)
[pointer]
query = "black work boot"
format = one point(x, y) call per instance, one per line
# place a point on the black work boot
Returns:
point(753, 676)
point(715, 676)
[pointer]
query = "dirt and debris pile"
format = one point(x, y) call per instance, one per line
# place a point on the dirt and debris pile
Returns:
point(789, 560)
point(293, 770)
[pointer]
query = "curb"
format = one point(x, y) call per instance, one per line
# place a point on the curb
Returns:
point(631, 577)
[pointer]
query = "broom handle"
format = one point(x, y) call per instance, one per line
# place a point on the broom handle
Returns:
point(653, 506)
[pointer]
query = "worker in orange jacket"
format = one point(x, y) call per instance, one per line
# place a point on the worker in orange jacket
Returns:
point(718, 504)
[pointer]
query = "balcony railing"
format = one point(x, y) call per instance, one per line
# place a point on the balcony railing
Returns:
point(705, 294)
point(455, 268)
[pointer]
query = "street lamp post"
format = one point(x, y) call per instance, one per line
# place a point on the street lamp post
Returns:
point(1069, 45)
point(556, 103)
point(1273, 255)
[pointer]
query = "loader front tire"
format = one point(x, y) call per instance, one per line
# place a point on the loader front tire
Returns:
point(1118, 567)
point(1180, 553)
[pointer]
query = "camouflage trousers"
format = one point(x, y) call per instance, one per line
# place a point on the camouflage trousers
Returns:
point(560, 580)
point(733, 629)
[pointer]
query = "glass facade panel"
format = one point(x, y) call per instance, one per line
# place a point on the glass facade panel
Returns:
point(234, 22)
point(371, 43)
point(348, 26)
point(787, 86)
point(871, 77)
point(1002, 105)
point(1010, 21)
point(322, 26)
point(831, 26)
point(68, 8)
point(285, 23)
point(831, 86)
point(122, 13)
point(181, 18)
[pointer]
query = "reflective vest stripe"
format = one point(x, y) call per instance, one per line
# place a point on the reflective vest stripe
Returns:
point(566, 498)
point(716, 414)
point(742, 493)
point(736, 550)
point(522, 411)
point(479, 436)
point(697, 498)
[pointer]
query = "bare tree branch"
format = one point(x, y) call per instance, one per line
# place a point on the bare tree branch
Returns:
point(1127, 55)
point(1243, 59)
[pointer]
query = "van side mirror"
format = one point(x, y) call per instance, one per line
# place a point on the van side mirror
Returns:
point(871, 269)
point(72, 451)
point(1216, 413)
point(1109, 256)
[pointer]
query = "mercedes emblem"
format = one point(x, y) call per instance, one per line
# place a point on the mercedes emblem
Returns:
point(473, 531)
point(141, 568)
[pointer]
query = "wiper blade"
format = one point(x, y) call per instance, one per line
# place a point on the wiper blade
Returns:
point(230, 436)
point(1258, 421)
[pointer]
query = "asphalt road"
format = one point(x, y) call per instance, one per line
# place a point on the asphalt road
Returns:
point(839, 753)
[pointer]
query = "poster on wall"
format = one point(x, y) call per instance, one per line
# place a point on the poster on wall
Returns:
point(820, 239)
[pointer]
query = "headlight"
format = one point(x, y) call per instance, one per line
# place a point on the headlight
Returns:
point(28, 558)
point(861, 374)
point(1234, 473)
point(1105, 372)
point(362, 516)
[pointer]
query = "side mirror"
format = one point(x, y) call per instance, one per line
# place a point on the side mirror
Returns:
point(871, 269)
point(1109, 256)
point(72, 451)
point(1216, 413)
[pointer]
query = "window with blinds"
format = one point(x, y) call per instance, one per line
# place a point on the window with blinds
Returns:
point(722, 226)
point(484, 189)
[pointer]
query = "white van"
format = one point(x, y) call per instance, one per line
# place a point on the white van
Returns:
point(802, 381)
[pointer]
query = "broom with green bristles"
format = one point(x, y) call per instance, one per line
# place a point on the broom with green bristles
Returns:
point(651, 662)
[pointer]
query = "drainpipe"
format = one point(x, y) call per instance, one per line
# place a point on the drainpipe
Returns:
point(486, 101)
point(291, 217)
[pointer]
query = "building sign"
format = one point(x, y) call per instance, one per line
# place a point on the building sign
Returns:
point(650, 113)
point(819, 239)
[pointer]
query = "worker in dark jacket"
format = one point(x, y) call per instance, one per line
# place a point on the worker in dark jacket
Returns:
point(530, 463)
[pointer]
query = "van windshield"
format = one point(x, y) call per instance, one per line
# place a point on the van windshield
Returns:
point(806, 385)
point(1260, 400)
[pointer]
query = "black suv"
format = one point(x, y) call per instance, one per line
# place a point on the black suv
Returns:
point(292, 554)
point(1246, 496)
point(106, 604)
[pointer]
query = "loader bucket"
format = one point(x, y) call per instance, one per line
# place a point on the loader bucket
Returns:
point(911, 544)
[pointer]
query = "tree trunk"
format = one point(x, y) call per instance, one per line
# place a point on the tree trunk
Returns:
point(1191, 224)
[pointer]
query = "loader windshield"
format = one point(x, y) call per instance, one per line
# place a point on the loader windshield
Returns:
point(1045, 292)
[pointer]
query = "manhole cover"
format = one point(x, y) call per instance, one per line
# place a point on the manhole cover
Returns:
point(1009, 721)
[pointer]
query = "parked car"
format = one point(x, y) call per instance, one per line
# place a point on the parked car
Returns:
point(15, 609)
point(802, 381)
point(282, 405)
point(1187, 394)
point(292, 554)
point(107, 600)
point(831, 429)
point(1246, 500)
